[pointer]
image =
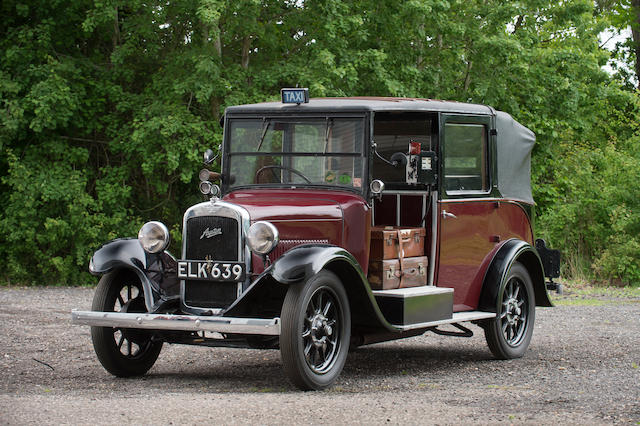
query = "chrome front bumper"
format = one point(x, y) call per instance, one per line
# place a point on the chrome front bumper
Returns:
point(263, 326)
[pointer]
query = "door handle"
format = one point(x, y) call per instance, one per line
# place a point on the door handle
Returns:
point(446, 214)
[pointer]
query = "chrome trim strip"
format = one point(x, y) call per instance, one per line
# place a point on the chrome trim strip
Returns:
point(434, 236)
point(262, 326)
point(487, 199)
point(215, 207)
point(404, 192)
point(457, 317)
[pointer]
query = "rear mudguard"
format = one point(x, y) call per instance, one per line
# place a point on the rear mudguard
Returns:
point(299, 264)
point(513, 250)
point(157, 272)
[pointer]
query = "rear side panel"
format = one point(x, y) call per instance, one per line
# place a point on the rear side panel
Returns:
point(469, 241)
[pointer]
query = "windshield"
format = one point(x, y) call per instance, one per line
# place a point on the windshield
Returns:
point(322, 151)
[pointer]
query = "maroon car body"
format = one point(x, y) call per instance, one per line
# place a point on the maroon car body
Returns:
point(279, 258)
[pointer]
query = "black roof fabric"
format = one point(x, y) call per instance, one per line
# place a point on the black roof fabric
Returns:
point(362, 104)
point(514, 141)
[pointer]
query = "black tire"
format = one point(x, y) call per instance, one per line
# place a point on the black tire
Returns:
point(315, 331)
point(509, 334)
point(123, 352)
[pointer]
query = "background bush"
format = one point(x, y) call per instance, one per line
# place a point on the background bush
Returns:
point(106, 106)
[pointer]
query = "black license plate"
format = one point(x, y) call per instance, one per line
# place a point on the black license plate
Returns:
point(210, 270)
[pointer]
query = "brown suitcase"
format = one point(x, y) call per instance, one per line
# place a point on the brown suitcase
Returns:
point(388, 274)
point(386, 245)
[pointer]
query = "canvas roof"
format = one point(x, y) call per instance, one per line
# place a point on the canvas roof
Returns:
point(514, 141)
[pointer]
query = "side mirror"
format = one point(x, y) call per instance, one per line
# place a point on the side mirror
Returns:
point(208, 157)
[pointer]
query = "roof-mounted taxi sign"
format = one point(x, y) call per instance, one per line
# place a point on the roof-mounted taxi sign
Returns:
point(295, 95)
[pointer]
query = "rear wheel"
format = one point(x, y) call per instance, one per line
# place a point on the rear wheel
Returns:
point(123, 352)
point(316, 329)
point(509, 334)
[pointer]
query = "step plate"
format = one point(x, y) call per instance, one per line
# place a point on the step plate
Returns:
point(407, 306)
point(455, 318)
point(412, 291)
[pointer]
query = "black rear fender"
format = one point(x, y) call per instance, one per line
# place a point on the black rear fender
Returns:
point(513, 250)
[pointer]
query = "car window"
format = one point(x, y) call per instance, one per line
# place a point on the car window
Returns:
point(465, 158)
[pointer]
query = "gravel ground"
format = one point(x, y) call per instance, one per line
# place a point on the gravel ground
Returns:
point(581, 368)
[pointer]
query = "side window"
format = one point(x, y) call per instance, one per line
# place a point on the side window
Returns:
point(465, 158)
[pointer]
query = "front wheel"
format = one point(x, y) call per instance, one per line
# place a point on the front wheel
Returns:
point(123, 352)
point(315, 331)
point(509, 334)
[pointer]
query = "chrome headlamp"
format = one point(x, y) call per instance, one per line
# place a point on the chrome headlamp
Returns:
point(207, 188)
point(262, 237)
point(154, 237)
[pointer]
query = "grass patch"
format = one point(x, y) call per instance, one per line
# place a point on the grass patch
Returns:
point(581, 293)
point(581, 302)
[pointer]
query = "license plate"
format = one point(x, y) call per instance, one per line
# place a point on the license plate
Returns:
point(210, 270)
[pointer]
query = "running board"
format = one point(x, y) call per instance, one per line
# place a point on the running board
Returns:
point(455, 318)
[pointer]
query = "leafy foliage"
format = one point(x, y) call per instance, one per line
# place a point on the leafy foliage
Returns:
point(106, 105)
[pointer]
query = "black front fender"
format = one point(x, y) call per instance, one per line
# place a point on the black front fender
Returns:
point(157, 272)
point(299, 264)
point(302, 262)
point(511, 251)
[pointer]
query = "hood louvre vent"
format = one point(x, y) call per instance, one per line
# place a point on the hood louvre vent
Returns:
point(286, 245)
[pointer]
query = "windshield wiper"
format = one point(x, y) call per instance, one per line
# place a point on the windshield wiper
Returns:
point(265, 126)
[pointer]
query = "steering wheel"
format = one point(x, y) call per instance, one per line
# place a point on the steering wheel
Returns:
point(275, 166)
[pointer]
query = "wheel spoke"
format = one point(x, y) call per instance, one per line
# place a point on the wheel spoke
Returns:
point(129, 292)
point(121, 341)
point(508, 291)
point(517, 290)
point(327, 306)
point(306, 333)
point(322, 354)
point(121, 301)
point(307, 351)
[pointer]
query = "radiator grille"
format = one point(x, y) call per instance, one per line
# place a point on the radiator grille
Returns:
point(222, 246)
point(214, 238)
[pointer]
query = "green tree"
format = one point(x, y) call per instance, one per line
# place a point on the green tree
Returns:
point(106, 105)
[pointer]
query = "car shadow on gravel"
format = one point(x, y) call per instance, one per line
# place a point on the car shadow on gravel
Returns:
point(388, 361)
point(244, 374)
